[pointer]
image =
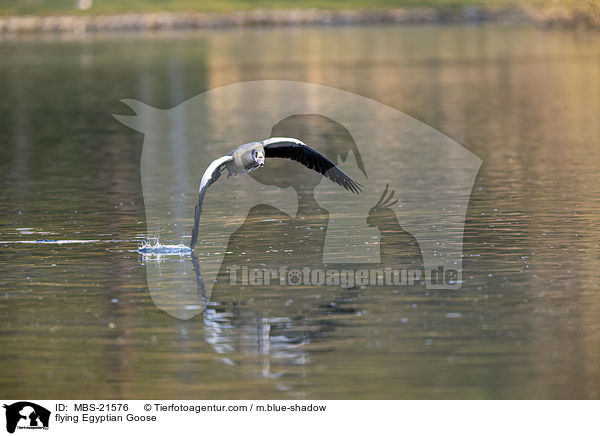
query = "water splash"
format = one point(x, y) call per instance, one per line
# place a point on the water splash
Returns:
point(148, 248)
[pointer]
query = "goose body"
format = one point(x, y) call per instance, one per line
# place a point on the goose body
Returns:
point(250, 157)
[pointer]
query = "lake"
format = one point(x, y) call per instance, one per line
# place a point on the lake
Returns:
point(78, 320)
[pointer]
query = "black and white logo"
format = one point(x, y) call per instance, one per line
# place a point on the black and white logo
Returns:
point(26, 415)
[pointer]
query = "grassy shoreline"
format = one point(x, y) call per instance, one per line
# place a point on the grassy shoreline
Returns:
point(582, 14)
point(117, 7)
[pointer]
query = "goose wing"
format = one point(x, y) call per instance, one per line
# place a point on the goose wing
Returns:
point(294, 149)
point(211, 175)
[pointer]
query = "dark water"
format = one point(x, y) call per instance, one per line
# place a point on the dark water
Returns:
point(78, 320)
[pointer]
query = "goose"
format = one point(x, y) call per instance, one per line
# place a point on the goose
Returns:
point(250, 157)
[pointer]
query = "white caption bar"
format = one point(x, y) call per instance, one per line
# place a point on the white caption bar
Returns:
point(273, 417)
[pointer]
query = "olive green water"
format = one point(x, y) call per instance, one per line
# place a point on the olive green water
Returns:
point(77, 320)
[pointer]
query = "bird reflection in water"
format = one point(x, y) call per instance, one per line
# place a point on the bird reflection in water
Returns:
point(268, 337)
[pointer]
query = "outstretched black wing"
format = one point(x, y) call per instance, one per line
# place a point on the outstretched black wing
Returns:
point(291, 148)
point(212, 173)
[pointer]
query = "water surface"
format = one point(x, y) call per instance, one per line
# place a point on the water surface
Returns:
point(77, 319)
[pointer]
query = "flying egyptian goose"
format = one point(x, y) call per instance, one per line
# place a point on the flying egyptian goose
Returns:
point(249, 157)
